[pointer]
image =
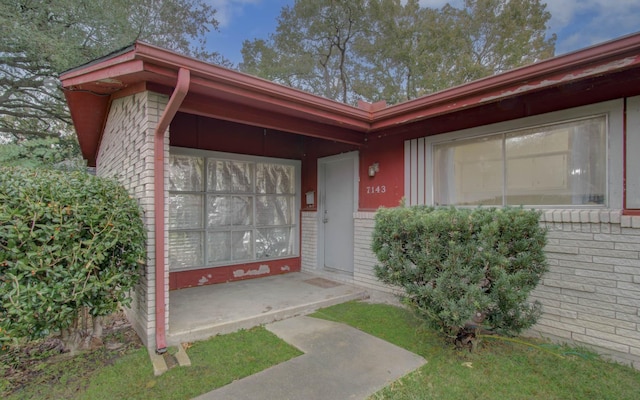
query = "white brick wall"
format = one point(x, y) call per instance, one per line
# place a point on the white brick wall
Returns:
point(127, 154)
point(309, 241)
point(363, 257)
point(591, 294)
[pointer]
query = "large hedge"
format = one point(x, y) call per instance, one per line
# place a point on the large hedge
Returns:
point(462, 268)
point(69, 242)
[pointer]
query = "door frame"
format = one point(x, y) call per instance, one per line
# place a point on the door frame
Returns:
point(322, 162)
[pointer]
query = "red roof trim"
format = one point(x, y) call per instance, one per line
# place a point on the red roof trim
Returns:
point(156, 66)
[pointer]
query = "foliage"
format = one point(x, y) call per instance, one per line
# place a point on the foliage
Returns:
point(397, 50)
point(61, 153)
point(68, 242)
point(459, 265)
point(41, 38)
point(311, 49)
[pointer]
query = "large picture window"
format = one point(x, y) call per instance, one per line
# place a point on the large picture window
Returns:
point(229, 209)
point(562, 164)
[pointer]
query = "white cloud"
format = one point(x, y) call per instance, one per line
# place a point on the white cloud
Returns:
point(581, 23)
point(229, 9)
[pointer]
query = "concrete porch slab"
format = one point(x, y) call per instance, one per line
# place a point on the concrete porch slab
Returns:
point(205, 311)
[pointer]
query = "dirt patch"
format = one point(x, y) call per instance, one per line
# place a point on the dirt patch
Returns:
point(43, 362)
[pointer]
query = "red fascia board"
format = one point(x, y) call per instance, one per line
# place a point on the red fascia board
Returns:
point(260, 99)
point(111, 75)
point(235, 79)
point(97, 66)
point(455, 101)
point(597, 60)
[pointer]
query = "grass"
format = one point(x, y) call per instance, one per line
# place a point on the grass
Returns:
point(215, 363)
point(499, 369)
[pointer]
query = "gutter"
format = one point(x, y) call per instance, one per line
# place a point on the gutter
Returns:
point(176, 99)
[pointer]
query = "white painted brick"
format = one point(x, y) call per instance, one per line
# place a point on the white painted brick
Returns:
point(627, 246)
point(586, 266)
point(561, 249)
point(569, 285)
point(584, 216)
point(617, 238)
point(625, 221)
point(600, 342)
point(609, 276)
point(608, 324)
point(583, 258)
point(541, 328)
point(620, 293)
point(560, 312)
point(557, 216)
point(584, 243)
point(570, 235)
point(597, 297)
point(617, 261)
point(615, 216)
point(632, 286)
point(633, 318)
point(635, 222)
point(628, 301)
point(610, 253)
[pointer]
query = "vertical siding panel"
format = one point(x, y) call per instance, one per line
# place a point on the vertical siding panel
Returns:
point(407, 171)
point(421, 172)
point(414, 173)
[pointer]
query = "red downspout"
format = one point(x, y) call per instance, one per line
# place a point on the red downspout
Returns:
point(178, 95)
point(624, 156)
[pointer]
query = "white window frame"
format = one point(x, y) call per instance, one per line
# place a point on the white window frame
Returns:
point(419, 152)
point(242, 158)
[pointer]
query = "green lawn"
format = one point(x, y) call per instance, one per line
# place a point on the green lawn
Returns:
point(215, 363)
point(499, 369)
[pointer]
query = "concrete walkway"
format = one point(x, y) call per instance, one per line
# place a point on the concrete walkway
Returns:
point(339, 363)
point(201, 312)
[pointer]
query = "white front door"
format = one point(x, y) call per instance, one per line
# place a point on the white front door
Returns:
point(337, 185)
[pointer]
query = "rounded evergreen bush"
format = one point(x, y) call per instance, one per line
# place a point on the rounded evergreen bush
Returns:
point(69, 242)
point(463, 269)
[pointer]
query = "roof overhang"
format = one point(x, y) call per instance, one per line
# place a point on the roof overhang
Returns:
point(598, 73)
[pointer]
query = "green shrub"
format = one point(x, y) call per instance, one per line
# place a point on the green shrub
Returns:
point(461, 265)
point(69, 241)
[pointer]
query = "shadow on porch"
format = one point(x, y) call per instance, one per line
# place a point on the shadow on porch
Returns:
point(201, 312)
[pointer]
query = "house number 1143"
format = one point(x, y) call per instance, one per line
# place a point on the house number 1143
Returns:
point(376, 189)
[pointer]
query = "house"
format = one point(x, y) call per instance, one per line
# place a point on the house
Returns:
point(241, 178)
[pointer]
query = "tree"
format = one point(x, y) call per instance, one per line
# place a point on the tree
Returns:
point(311, 49)
point(42, 38)
point(494, 36)
point(51, 152)
point(396, 50)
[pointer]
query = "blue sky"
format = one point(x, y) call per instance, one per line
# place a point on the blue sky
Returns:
point(577, 23)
